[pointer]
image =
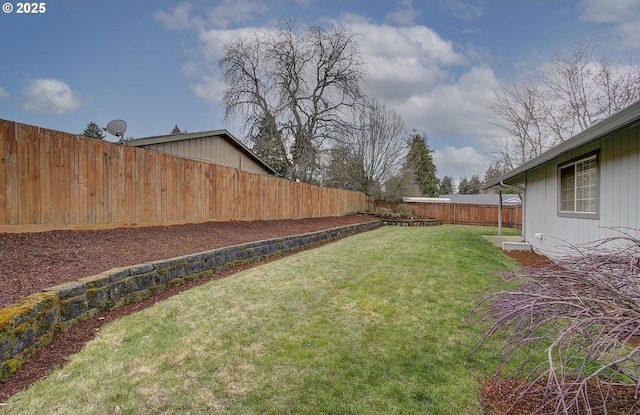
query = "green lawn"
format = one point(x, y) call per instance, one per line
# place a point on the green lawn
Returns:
point(370, 324)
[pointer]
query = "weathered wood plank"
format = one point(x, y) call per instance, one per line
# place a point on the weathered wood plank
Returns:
point(74, 178)
point(33, 143)
point(91, 156)
point(45, 176)
point(8, 175)
point(83, 181)
point(5, 129)
point(22, 151)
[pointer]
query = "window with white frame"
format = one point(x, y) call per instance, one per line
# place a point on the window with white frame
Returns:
point(579, 187)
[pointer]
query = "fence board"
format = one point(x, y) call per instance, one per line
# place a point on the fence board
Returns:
point(6, 132)
point(90, 175)
point(23, 184)
point(11, 178)
point(34, 178)
point(108, 184)
point(74, 180)
point(83, 181)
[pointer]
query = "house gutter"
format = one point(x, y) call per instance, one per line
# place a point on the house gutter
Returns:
point(524, 205)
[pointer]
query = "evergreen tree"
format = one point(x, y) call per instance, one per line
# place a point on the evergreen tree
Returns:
point(475, 184)
point(420, 161)
point(446, 186)
point(469, 186)
point(268, 144)
point(93, 131)
point(494, 171)
point(176, 130)
point(463, 186)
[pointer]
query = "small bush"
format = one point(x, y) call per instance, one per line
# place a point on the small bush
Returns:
point(403, 211)
point(388, 213)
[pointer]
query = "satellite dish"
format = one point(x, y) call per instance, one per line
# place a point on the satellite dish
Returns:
point(117, 128)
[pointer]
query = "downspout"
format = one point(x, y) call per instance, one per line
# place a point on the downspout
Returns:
point(524, 190)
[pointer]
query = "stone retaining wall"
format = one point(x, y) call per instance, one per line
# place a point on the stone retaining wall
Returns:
point(30, 324)
point(411, 222)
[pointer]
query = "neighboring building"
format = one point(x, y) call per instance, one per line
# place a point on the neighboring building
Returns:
point(582, 189)
point(216, 147)
point(475, 199)
point(484, 199)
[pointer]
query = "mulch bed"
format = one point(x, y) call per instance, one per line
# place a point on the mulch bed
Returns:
point(31, 262)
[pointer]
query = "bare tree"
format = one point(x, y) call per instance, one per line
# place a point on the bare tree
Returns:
point(299, 81)
point(520, 112)
point(369, 149)
point(400, 185)
point(584, 89)
point(572, 328)
point(573, 92)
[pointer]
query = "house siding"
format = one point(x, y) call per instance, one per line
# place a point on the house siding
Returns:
point(212, 149)
point(619, 173)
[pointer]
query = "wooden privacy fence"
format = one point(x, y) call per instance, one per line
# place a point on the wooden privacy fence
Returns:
point(54, 180)
point(458, 213)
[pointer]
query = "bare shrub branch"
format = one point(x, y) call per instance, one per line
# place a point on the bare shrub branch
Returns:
point(571, 327)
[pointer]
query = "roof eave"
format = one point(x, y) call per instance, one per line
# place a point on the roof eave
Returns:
point(507, 179)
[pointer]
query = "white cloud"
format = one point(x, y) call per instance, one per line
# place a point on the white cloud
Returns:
point(236, 11)
point(622, 15)
point(459, 162)
point(210, 86)
point(403, 61)
point(214, 41)
point(3, 94)
point(178, 18)
point(405, 15)
point(613, 11)
point(418, 42)
point(462, 9)
point(227, 12)
point(50, 96)
point(209, 89)
point(436, 87)
point(453, 109)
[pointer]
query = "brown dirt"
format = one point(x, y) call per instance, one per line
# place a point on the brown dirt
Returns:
point(529, 258)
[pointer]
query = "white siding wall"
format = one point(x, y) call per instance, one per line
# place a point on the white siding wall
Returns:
point(619, 196)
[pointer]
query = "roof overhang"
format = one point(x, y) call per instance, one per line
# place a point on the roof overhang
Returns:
point(601, 129)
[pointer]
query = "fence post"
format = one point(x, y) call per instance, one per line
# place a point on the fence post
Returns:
point(500, 213)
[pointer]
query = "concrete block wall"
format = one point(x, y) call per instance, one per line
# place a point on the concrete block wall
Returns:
point(30, 324)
